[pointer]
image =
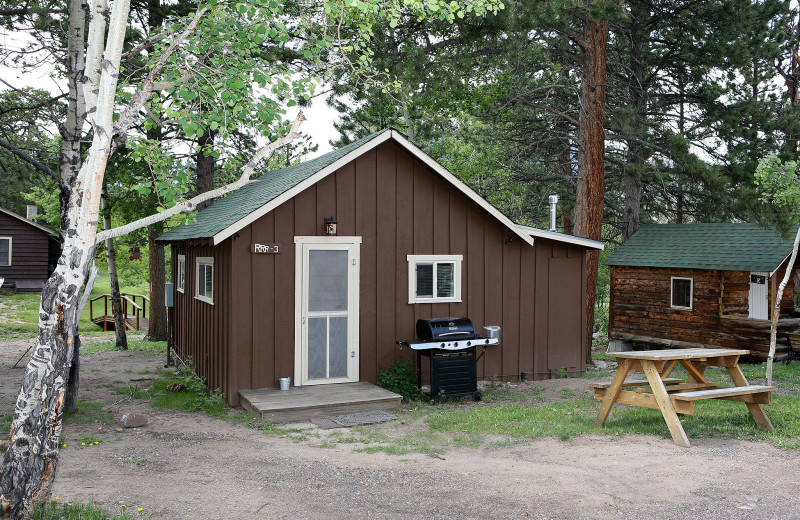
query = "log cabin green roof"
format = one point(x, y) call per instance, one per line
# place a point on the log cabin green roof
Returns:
point(237, 204)
point(723, 247)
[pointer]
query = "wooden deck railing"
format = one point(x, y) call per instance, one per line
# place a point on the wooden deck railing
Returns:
point(128, 299)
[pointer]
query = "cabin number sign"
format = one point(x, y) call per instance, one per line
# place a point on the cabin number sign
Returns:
point(265, 248)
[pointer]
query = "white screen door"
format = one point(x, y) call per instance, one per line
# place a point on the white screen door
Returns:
point(328, 276)
point(759, 296)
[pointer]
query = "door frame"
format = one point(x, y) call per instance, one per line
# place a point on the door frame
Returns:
point(760, 304)
point(354, 288)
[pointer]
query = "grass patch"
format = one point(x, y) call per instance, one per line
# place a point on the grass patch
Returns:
point(87, 412)
point(134, 345)
point(506, 418)
point(22, 310)
point(5, 422)
point(57, 511)
point(180, 389)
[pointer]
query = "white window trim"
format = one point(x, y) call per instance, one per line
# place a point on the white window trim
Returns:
point(691, 293)
point(413, 260)
point(180, 281)
point(205, 260)
point(10, 240)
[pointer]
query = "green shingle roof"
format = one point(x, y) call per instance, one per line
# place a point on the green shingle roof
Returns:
point(240, 203)
point(724, 247)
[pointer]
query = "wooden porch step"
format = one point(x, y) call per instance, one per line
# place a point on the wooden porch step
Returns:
point(130, 322)
point(758, 393)
point(303, 403)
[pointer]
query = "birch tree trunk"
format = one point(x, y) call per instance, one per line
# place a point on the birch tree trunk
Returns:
point(776, 310)
point(591, 176)
point(30, 463)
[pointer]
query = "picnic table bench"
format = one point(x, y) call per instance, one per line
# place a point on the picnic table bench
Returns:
point(673, 396)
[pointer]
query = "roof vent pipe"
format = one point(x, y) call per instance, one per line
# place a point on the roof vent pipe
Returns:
point(553, 202)
point(31, 212)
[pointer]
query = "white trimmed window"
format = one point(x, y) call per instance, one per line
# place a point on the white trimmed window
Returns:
point(180, 276)
point(5, 250)
point(204, 279)
point(681, 293)
point(434, 278)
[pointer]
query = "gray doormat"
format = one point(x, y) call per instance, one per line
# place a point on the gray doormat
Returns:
point(354, 419)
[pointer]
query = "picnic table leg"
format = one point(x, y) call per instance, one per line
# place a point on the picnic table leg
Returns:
point(695, 371)
point(755, 409)
point(665, 404)
point(612, 392)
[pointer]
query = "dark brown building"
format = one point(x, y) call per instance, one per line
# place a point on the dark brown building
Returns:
point(262, 292)
point(28, 252)
point(701, 285)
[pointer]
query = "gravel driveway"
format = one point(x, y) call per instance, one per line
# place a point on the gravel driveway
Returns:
point(190, 466)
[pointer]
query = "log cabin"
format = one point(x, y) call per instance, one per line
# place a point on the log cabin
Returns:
point(28, 252)
point(315, 271)
point(701, 285)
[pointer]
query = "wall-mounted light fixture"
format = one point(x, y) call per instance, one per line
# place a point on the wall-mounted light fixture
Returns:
point(330, 226)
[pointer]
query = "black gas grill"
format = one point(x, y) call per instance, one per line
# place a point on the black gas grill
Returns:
point(450, 343)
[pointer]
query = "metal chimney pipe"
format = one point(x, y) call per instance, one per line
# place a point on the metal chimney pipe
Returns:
point(553, 202)
point(31, 211)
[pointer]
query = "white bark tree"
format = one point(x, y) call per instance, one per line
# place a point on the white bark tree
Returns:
point(779, 183)
point(29, 465)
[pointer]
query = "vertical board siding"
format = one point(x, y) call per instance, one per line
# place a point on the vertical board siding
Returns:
point(31, 251)
point(387, 297)
point(398, 206)
point(367, 228)
point(200, 331)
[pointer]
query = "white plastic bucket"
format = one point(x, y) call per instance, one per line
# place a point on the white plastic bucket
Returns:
point(285, 382)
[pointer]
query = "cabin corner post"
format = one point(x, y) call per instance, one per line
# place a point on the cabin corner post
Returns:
point(611, 293)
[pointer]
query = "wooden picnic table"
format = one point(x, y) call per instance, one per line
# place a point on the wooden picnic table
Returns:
point(675, 396)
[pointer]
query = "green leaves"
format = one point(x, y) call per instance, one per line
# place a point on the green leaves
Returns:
point(779, 183)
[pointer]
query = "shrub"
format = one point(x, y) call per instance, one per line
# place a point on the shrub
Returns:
point(400, 378)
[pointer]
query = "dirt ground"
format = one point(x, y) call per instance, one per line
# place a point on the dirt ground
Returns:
point(189, 466)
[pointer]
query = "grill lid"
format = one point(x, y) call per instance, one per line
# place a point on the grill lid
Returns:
point(445, 329)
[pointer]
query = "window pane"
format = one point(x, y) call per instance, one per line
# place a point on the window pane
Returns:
point(425, 280)
point(444, 280)
point(682, 293)
point(317, 347)
point(4, 251)
point(209, 281)
point(338, 346)
point(327, 280)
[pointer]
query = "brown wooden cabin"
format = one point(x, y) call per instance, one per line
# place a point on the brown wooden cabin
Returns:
point(262, 292)
point(28, 252)
point(701, 285)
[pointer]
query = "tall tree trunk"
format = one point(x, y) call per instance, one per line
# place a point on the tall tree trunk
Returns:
point(116, 296)
point(29, 465)
point(70, 153)
point(637, 127)
point(158, 311)
point(205, 166)
point(591, 177)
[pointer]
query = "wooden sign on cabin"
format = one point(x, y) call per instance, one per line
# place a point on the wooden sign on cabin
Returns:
point(265, 248)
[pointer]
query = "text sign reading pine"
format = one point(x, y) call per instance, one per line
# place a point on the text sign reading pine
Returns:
point(265, 248)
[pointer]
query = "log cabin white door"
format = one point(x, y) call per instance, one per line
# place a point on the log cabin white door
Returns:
point(326, 310)
point(758, 299)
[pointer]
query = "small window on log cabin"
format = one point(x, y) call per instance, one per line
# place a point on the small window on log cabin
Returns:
point(681, 297)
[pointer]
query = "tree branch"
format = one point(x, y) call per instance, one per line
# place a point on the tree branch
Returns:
point(28, 159)
point(192, 203)
point(143, 94)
